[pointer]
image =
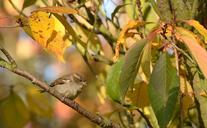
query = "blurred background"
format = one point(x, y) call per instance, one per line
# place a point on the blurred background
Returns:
point(21, 103)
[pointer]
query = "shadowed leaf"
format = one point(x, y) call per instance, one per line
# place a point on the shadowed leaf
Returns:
point(39, 103)
point(13, 112)
point(131, 66)
point(200, 85)
point(163, 90)
point(138, 95)
point(145, 62)
point(28, 3)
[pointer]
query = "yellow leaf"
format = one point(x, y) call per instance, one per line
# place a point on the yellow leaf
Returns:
point(124, 34)
point(192, 42)
point(198, 27)
point(185, 87)
point(187, 95)
point(49, 32)
point(57, 9)
point(138, 95)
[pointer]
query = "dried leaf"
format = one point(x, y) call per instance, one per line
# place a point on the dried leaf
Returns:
point(200, 28)
point(133, 24)
point(196, 50)
point(57, 9)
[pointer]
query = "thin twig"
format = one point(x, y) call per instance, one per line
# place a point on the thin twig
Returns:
point(10, 59)
point(139, 10)
point(145, 117)
point(97, 119)
point(14, 6)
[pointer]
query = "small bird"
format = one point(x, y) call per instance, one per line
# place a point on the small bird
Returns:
point(69, 85)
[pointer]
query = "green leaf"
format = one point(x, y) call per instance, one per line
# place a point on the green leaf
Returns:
point(154, 5)
point(13, 112)
point(164, 10)
point(200, 86)
point(131, 66)
point(39, 103)
point(181, 9)
point(132, 9)
point(28, 3)
point(163, 90)
point(145, 62)
point(116, 10)
point(112, 81)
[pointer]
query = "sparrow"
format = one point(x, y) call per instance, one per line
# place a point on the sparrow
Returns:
point(69, 85)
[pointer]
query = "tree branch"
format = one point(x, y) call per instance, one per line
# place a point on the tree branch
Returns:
point(97, 119)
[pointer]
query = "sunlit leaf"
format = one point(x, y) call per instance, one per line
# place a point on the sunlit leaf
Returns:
point(50, 33)
point(187, 95)
point(133, 24)
point(131, 66)
point(75, 37)
point(13, 112)
point(155, 7)
point(198, 52)
point(39, 103)
point(57, 9)
point(198, 27)
point(131, 9)
point(112, 82)
point(163, 90)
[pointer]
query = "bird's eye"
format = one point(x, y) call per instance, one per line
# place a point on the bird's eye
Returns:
point(78, 78)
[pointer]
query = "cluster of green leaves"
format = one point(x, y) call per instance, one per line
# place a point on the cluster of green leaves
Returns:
point(17, 110)
point(148, 74)
point(179, 48)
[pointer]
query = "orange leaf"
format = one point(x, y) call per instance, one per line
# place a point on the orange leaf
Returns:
point(56, 9)
point(49, 32)
point(198, 27)
point(196, 50)
point(123, 34)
